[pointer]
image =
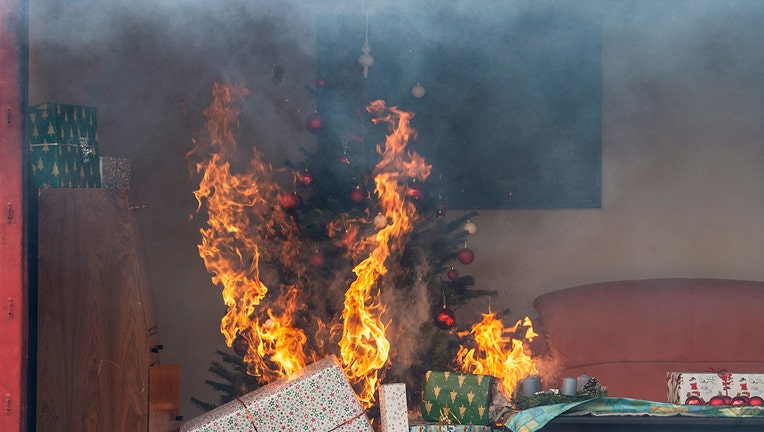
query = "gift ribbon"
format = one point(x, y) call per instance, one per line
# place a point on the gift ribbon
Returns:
point(347, 421)
point(249, 415)
point(252, 420)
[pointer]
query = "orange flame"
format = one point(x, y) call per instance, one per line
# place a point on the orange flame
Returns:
point(498, 354)
point(242, 225)
point(364, 346)
point(276, 342)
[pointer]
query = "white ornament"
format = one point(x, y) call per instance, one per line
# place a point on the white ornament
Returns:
point(380, 220)
point(417, 91)
point(366, 60)
point(470, 227)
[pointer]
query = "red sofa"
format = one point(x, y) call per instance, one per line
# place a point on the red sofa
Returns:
point(629, 334)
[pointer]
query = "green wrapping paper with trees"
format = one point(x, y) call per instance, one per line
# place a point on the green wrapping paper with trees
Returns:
point(454, 397)
point(50, 123)
point(63, 146)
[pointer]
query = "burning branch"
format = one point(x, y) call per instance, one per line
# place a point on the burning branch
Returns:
point(364, 346)
point(243, 228)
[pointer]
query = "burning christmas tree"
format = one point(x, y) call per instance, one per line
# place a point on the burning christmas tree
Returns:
point(347, 259)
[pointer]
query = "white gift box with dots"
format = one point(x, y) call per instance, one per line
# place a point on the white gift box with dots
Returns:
point(318, 398)
point(393, 410)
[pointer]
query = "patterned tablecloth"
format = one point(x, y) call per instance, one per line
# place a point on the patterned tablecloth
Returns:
point(533, 419)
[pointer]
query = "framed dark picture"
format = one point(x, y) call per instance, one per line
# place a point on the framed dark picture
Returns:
point(511, 113)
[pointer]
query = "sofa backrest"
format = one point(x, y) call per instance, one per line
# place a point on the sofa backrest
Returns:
point(630, 334)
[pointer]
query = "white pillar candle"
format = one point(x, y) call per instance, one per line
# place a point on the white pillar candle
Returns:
point(568, 386)
point(582, 380)
point(531, 385)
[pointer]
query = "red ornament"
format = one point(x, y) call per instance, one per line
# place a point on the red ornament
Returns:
point(290, 201)
point(358, 196)
point(717, 401)
point(739, 401)
point(727, 399)
point(756, 401)
point(305, 178)
point(321, 82)
point(345, 159)
point(240, 346)
point(445, 319)
point(314, 123)
point(453, 274)
point(693, 400)
point(316, 261)
point(465, 255)
point(415, 192)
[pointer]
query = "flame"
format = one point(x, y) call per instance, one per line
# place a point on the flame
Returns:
point(347, 234)
point(364, 346)
point(243, 226)
point(275, 345)
point(497, 353)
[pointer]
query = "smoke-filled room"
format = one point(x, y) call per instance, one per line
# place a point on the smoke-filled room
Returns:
point(382, 216)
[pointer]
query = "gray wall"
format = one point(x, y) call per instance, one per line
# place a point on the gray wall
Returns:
point(683, 142)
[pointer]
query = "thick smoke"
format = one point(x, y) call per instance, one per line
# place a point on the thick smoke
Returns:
point(148, 67)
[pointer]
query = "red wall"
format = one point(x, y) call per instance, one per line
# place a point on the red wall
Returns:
point(13, 281)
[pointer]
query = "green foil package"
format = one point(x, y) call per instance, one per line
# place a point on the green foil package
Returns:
point(63, 146)
point(457, 398)
point(50, 123)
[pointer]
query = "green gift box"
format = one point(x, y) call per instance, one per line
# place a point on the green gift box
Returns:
point(63, 146)
point(64, 165)
point(62, 124)
point(457, 397)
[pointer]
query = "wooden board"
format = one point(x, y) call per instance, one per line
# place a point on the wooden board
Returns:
point(93, 345)
point(164, 398)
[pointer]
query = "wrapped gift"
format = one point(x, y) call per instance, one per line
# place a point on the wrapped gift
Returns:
point(317, 398)
point(64, 165)
point(115, 173)
point(61, 123)
point(435, 427)
point(458, 398)
point(706, 385)
point(63, 146)
point(393, 409)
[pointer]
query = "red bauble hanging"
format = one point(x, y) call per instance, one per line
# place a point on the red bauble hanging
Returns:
point(305, 178)
point(358, 196)
point(314, 123)
point(756, 401)
point(290, 201)
point(445, 319)
point(321, 82)
point(415, 192)
point(240, 346)
point(316, 260)
point(452, 274)
point(693, 400)
point(465, 255)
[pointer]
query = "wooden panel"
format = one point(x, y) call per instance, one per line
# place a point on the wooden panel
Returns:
point(164, 398)
point(13, 271)
point(93, 350)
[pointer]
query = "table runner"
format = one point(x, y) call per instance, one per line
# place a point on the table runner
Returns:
point(535, 418)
